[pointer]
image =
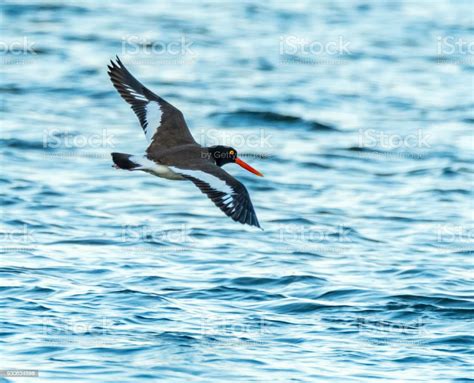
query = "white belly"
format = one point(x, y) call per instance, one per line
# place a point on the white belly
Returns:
point(152, 167)
point(164, 171)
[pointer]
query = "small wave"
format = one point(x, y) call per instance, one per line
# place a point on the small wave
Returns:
point(225, 292)
point(303, 307)
point(450, 191)
point(436, 301)
point(342, 293)
point(294, 221)
point(272, 282)
point(456, 340)
point(21, 144)
point(251, 116)
point(316, 165)
point(19, 9)
point(86, 241)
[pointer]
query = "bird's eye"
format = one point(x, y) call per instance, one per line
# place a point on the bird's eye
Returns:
point(231, 152)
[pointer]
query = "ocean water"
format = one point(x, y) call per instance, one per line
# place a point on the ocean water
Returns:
point(360, 115)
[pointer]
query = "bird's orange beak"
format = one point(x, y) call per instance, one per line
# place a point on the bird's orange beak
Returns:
point(246, 166)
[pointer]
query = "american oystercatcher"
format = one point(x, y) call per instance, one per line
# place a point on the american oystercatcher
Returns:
point(173, 153)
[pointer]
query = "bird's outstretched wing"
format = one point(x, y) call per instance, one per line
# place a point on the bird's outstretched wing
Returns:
point(163, 124)
point(227, 193)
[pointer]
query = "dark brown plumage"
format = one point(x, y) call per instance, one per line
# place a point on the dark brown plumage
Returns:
point(173, 153)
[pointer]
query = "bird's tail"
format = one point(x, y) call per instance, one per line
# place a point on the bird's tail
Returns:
point(124, 161)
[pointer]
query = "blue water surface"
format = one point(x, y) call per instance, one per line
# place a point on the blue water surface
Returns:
point(360, 115)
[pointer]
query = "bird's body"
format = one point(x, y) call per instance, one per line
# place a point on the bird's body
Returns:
point(175, 155)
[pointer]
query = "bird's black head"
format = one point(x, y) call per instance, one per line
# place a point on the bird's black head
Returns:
point(225, 154)
point(222, 154)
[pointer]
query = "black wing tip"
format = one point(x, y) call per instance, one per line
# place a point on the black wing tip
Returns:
point(246, 215)
point(256, 224)
point(253, 224)
point(117, 61)
point(250, 220)
point(243, 212)
point(114, 66)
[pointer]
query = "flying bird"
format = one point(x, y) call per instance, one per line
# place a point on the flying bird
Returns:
point(173, 153)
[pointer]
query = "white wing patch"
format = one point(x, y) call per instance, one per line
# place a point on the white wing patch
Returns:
point(145, 163)
point(213, 181)
point(232, 198)
point(153, 119)
point(136, 95)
